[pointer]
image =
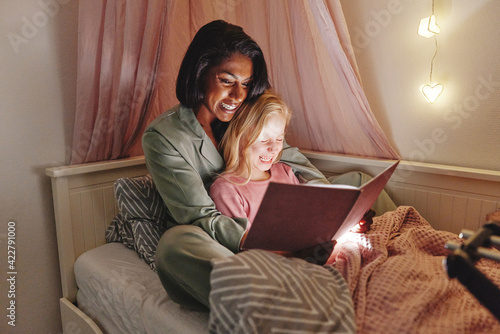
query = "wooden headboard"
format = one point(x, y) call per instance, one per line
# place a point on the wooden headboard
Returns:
point(450, 198)
point(84, 205)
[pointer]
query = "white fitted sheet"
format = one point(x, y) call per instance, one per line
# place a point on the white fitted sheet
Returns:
point(123, 295)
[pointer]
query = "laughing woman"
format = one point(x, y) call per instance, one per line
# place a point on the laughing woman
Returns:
point(222, 68)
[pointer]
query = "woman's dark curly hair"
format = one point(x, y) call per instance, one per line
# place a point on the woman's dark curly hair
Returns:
point(214, 43)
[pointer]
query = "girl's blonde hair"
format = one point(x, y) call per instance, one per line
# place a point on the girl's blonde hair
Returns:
point(245, 128)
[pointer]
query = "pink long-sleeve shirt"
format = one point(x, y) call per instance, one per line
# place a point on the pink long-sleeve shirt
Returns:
point(243, 201)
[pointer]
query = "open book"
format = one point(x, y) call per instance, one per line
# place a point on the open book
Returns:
point(294, 217)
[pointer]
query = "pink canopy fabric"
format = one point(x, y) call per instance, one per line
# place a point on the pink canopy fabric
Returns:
point(130, 52)
point(116, 75)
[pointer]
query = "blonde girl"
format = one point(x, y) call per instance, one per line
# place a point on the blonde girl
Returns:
point(252, 148)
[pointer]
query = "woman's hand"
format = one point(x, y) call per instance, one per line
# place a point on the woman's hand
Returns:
point(242, 241)
point(318, 254)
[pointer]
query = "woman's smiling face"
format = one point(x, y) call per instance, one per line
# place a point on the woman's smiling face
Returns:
point(226, 87)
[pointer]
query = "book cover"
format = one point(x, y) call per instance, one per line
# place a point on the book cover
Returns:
point(295, 217)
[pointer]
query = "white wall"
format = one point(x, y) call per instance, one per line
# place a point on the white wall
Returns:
point(462, 127)
point(37, 106)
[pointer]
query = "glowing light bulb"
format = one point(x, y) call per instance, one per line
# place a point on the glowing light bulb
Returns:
point(428, 27)
point(431, 91)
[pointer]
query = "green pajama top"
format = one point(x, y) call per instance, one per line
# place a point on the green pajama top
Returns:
point(183, 162)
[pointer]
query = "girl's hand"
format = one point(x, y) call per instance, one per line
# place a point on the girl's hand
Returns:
point(365, 222)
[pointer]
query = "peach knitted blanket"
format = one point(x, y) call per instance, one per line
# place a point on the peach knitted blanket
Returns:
point(398, 284)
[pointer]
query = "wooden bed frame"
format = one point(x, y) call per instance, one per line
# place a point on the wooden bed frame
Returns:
point(84, 206)
point(450, 198)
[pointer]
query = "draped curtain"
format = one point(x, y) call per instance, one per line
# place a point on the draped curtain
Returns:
point(118, 55)
point(130, 52)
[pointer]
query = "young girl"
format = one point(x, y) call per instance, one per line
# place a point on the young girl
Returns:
point(251, 148)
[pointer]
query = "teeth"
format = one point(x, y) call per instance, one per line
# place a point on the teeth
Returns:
point(227, 106)
point(266, 159)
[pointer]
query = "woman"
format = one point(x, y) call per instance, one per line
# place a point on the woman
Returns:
point(222, 68)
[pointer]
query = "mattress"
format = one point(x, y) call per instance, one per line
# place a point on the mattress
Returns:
point(123, 295)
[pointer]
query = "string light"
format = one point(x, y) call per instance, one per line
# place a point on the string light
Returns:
point(432, 90)
point(429, 28)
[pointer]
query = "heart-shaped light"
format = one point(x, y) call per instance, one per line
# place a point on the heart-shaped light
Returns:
point(431, 92)
point(428, 27)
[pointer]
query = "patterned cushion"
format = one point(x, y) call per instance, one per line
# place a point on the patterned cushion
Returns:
point(137, 198)
point(141, 219)
point(120, 231)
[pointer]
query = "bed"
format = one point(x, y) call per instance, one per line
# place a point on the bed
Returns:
point(111, 280)
point(392, 276)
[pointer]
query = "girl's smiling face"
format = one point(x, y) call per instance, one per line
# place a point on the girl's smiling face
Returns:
point(226, 87)
point(265, 150)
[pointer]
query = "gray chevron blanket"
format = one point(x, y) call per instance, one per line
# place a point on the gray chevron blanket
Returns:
point(261, 292)
point(389, 280)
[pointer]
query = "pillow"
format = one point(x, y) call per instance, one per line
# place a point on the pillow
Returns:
point(141, 219)
point(120, 231)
